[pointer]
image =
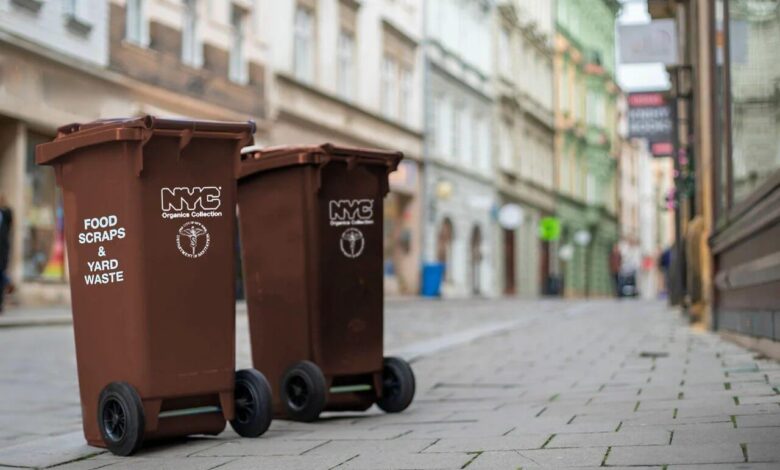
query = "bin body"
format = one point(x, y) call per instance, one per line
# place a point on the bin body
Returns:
point(311, 224)
point(432, 275)
point(150, 232)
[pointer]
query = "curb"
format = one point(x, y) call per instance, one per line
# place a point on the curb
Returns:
point(33, 321)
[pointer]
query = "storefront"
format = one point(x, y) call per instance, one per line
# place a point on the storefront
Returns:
point(37, 95)
point(746, 190)
point(462, 231)
point(729, 85)
point(402, 221)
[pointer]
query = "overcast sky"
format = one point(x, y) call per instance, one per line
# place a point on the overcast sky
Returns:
point(637, 77)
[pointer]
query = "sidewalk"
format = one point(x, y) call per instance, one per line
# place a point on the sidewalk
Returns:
point(568, 384)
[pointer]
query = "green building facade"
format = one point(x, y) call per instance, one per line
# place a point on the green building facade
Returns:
point(587, 143)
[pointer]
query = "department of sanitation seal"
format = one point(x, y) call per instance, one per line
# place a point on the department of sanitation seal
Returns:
point(352, 242)
point(193, 239)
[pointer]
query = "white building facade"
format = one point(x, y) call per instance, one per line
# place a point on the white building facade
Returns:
point(82, 60)
point(459, 169)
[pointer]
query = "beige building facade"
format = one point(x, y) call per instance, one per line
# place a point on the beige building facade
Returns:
point(524, 133)
point(67, 62)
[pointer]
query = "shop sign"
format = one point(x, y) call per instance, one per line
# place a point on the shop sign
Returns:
point(648, 43)
point(549, 229)
point(650, 117)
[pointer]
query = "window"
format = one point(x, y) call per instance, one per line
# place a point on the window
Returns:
point(303, 49)
point(238, 71)
point(76, 16)
point(74, 8)
point(457, 129)
point(43, 242)
point(482, 143)
point(505, 143)
point(136, 28)
point(564, 88)
point(397, 75)
point(754, 39)
point(466, 149)
point(346, 64)
point(445, 130)
point(191, 49)
point(433, 125)
point(504, 54)
point(406, 95)
point(390, 88)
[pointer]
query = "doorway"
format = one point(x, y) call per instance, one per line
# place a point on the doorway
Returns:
point(476, 260)
point(510, 273)
point(444, 247)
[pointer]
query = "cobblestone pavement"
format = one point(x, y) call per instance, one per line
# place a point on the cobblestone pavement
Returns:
point(501, 384)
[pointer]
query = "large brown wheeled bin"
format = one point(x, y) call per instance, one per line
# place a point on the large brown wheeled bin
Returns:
point(150, 234)
point(311, 241)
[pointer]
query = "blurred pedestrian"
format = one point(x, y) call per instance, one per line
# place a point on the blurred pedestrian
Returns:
point(615, 263)
point(6, 221)
point(665, 262)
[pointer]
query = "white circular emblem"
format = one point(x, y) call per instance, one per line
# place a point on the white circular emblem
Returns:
point(193, 239)
point(352, 242)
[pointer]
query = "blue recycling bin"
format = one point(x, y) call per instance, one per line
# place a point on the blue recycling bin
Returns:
point(432, 275)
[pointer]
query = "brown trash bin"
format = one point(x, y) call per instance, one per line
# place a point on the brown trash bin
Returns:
point(311, 225)
point(149, 208)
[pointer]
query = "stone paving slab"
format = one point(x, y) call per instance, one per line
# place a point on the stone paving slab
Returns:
point(676, 454)
point(548, 458)
point(646, 437)
point(763, 451)
point(481, 444)
point(404, 461)
point(727, 466)
point(47, 452)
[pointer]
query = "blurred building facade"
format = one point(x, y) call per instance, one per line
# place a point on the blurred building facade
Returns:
point(532, 124)
point(81, 60)
point(524, 136)
point(459, 171)
point(350, 72)
point(587, 144)
point(645, 218)
point(727, 85)
point(50, 57)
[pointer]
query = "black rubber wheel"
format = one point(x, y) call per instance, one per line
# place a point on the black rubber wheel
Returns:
point(397, 385)
point(304, 391)
point(121, 418)
point(253, 404)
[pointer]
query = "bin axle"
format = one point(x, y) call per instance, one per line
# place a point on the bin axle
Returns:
point(199, 410)
point(351, 388)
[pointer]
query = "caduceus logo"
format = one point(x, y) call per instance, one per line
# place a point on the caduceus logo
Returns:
point(193, 239)
point(352, 242)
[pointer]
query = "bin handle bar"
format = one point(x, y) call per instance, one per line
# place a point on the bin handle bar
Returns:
point(139, 154)
point(45, 154)
point(324, 160)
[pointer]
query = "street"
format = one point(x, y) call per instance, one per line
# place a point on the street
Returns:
point(500, 384)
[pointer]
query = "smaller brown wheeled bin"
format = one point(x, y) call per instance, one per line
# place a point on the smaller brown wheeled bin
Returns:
point(149, 208)
point(311, 231)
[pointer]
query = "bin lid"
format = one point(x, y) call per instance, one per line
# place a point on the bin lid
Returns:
point(74, 136)
point(255, 160)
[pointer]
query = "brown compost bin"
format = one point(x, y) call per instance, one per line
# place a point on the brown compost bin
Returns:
point(149, 226)
point(311, 225)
